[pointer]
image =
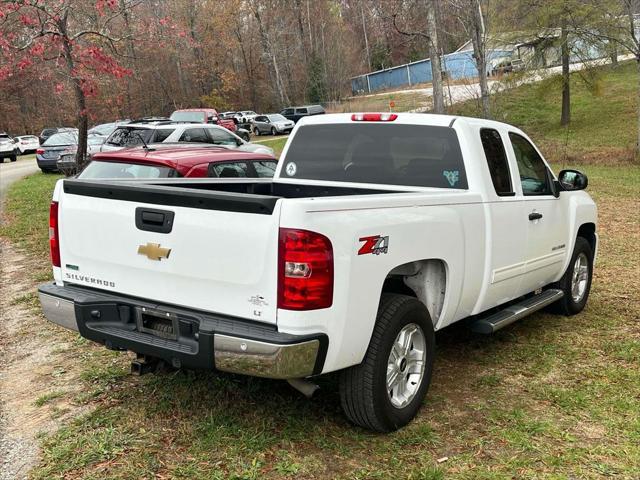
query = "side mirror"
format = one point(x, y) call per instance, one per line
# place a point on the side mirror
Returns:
point(571, 180)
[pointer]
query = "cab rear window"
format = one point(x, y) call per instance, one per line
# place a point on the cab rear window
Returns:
point(387, 154)
point(97, 169)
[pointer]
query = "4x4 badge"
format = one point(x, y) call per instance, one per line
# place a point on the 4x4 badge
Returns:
point(154, 251)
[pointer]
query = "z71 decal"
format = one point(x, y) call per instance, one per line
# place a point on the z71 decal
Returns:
point(376, 245)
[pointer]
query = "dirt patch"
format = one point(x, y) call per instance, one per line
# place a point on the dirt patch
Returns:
point(35, 386)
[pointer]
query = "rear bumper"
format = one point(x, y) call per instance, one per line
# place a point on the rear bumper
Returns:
point(203, 340)
point(47, 163)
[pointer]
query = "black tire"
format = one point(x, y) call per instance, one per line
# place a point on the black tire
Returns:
point(363, 388)
point(273, 131)
point(567, 305)
point(256, 132)
point(245, 137)
point(13, 159)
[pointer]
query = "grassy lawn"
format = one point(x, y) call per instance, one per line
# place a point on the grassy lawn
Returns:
point(273, 142)
point(548, 397)
point(603, 123)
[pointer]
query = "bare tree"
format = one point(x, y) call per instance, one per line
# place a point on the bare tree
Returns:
point(431, 38)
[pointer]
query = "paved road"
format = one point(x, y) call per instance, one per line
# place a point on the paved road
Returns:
point(12, 171)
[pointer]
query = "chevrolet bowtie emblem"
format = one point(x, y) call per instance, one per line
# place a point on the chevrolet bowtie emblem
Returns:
point(154, 251)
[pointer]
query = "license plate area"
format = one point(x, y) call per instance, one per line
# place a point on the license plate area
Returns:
point(157, 322)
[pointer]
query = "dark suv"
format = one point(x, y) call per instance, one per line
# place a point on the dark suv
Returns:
point(296, 113)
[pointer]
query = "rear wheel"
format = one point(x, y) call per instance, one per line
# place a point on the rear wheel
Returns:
point(386, 390)
point(13, 158)
point(576, 281)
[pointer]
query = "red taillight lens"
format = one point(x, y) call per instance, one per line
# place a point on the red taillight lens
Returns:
point(40, 151)
point(374, 117)
point(54, 234)
point(305, 270)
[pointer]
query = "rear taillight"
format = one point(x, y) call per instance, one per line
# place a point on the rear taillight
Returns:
point(305, 270)
point(374, 117)
point(40, 151)
point(54, 234)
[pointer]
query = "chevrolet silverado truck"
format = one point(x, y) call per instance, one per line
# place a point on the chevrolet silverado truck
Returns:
point(376, 231)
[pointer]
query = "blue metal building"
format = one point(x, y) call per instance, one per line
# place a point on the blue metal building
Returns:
point(457, 65)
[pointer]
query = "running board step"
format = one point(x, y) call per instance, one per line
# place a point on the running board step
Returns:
point(512, 313)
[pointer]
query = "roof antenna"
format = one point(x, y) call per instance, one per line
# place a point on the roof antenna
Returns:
point(146, 147)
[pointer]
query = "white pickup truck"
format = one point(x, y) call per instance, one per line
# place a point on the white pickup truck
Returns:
point(376, 231)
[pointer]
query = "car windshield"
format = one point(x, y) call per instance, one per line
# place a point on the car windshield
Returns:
point(104, 129)
point(98, 169)
point(386, 154)
point(63, 138)
point(277, 118)
point(129, 137)
point(188, 116)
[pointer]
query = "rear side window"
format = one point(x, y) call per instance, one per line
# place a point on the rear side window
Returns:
point(162, 134)
point(265, 169)
point(496, 161)
point(197, 135)
point(228, 170)
point(301, 111)
point(98, 169)
point(288, 111)
point(534, 175)
point(387, 154)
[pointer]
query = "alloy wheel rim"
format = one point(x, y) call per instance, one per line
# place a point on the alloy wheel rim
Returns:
point(580, 278)
point(406, 364)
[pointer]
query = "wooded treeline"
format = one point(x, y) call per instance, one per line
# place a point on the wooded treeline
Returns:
point(105, 59)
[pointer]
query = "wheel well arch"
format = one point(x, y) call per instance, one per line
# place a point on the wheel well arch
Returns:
point(425, 279)
point(588, 232)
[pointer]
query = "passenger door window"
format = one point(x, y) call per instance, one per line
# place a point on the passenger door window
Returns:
point(162, 134)
point(195, 135)
point(534, 175)
point(497, 161)
point(221, 137)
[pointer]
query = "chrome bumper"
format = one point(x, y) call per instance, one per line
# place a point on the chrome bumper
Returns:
point(59, 311)
point(267, 354)
point(262, 359)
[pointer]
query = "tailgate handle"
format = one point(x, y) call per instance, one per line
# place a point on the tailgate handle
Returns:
point(152, 220)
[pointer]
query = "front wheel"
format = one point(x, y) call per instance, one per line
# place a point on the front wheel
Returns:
point(273, 131)
point(13, 158)
point(576, 281)
point(386, 390)
point(256, 132)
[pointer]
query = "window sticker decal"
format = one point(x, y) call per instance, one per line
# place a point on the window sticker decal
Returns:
point(291, 169)
point(452, 176)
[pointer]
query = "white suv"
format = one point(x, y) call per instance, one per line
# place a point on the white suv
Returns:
point(164, 131)
point(7, 148)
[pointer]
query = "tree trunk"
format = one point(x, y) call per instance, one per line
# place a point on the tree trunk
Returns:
point(480, 53)
point(638, 105)
point(366, 39)
point(565, 117)
point(80, 98)
point(268, 51)
point(433, 49)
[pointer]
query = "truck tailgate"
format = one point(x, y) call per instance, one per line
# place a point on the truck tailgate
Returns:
point(219, 255)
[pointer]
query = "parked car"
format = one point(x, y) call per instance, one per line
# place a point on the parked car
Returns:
point(377, 230)
point(47, 132)
point(169, 160)
point(8, 148)
point(296, 113)
point(202, 115)
point(247, 116)
point(27, 143)
point(135, 134)
point(59, 150)
point(273, 124)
